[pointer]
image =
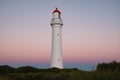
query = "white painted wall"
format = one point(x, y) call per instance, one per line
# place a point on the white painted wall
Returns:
point(56, 53)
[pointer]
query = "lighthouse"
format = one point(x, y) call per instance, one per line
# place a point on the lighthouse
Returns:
point(56, 53)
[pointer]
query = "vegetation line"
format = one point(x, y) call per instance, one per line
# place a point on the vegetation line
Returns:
point(104, 71)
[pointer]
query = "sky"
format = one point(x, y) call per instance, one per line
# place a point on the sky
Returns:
point(90, 33)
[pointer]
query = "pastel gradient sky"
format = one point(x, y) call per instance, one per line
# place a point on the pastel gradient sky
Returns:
point(91, 32)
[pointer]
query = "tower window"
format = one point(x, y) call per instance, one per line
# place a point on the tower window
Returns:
point(57, 34)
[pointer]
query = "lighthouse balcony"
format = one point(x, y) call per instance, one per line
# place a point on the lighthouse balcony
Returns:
point(56, 22)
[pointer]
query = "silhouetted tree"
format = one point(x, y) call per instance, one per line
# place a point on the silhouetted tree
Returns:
point(112, 66)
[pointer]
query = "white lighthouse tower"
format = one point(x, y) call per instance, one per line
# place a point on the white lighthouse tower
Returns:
point(56, 55)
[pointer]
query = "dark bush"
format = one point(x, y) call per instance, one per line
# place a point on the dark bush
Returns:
point(5, 69)
point(26, 69)
point(112, 66)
